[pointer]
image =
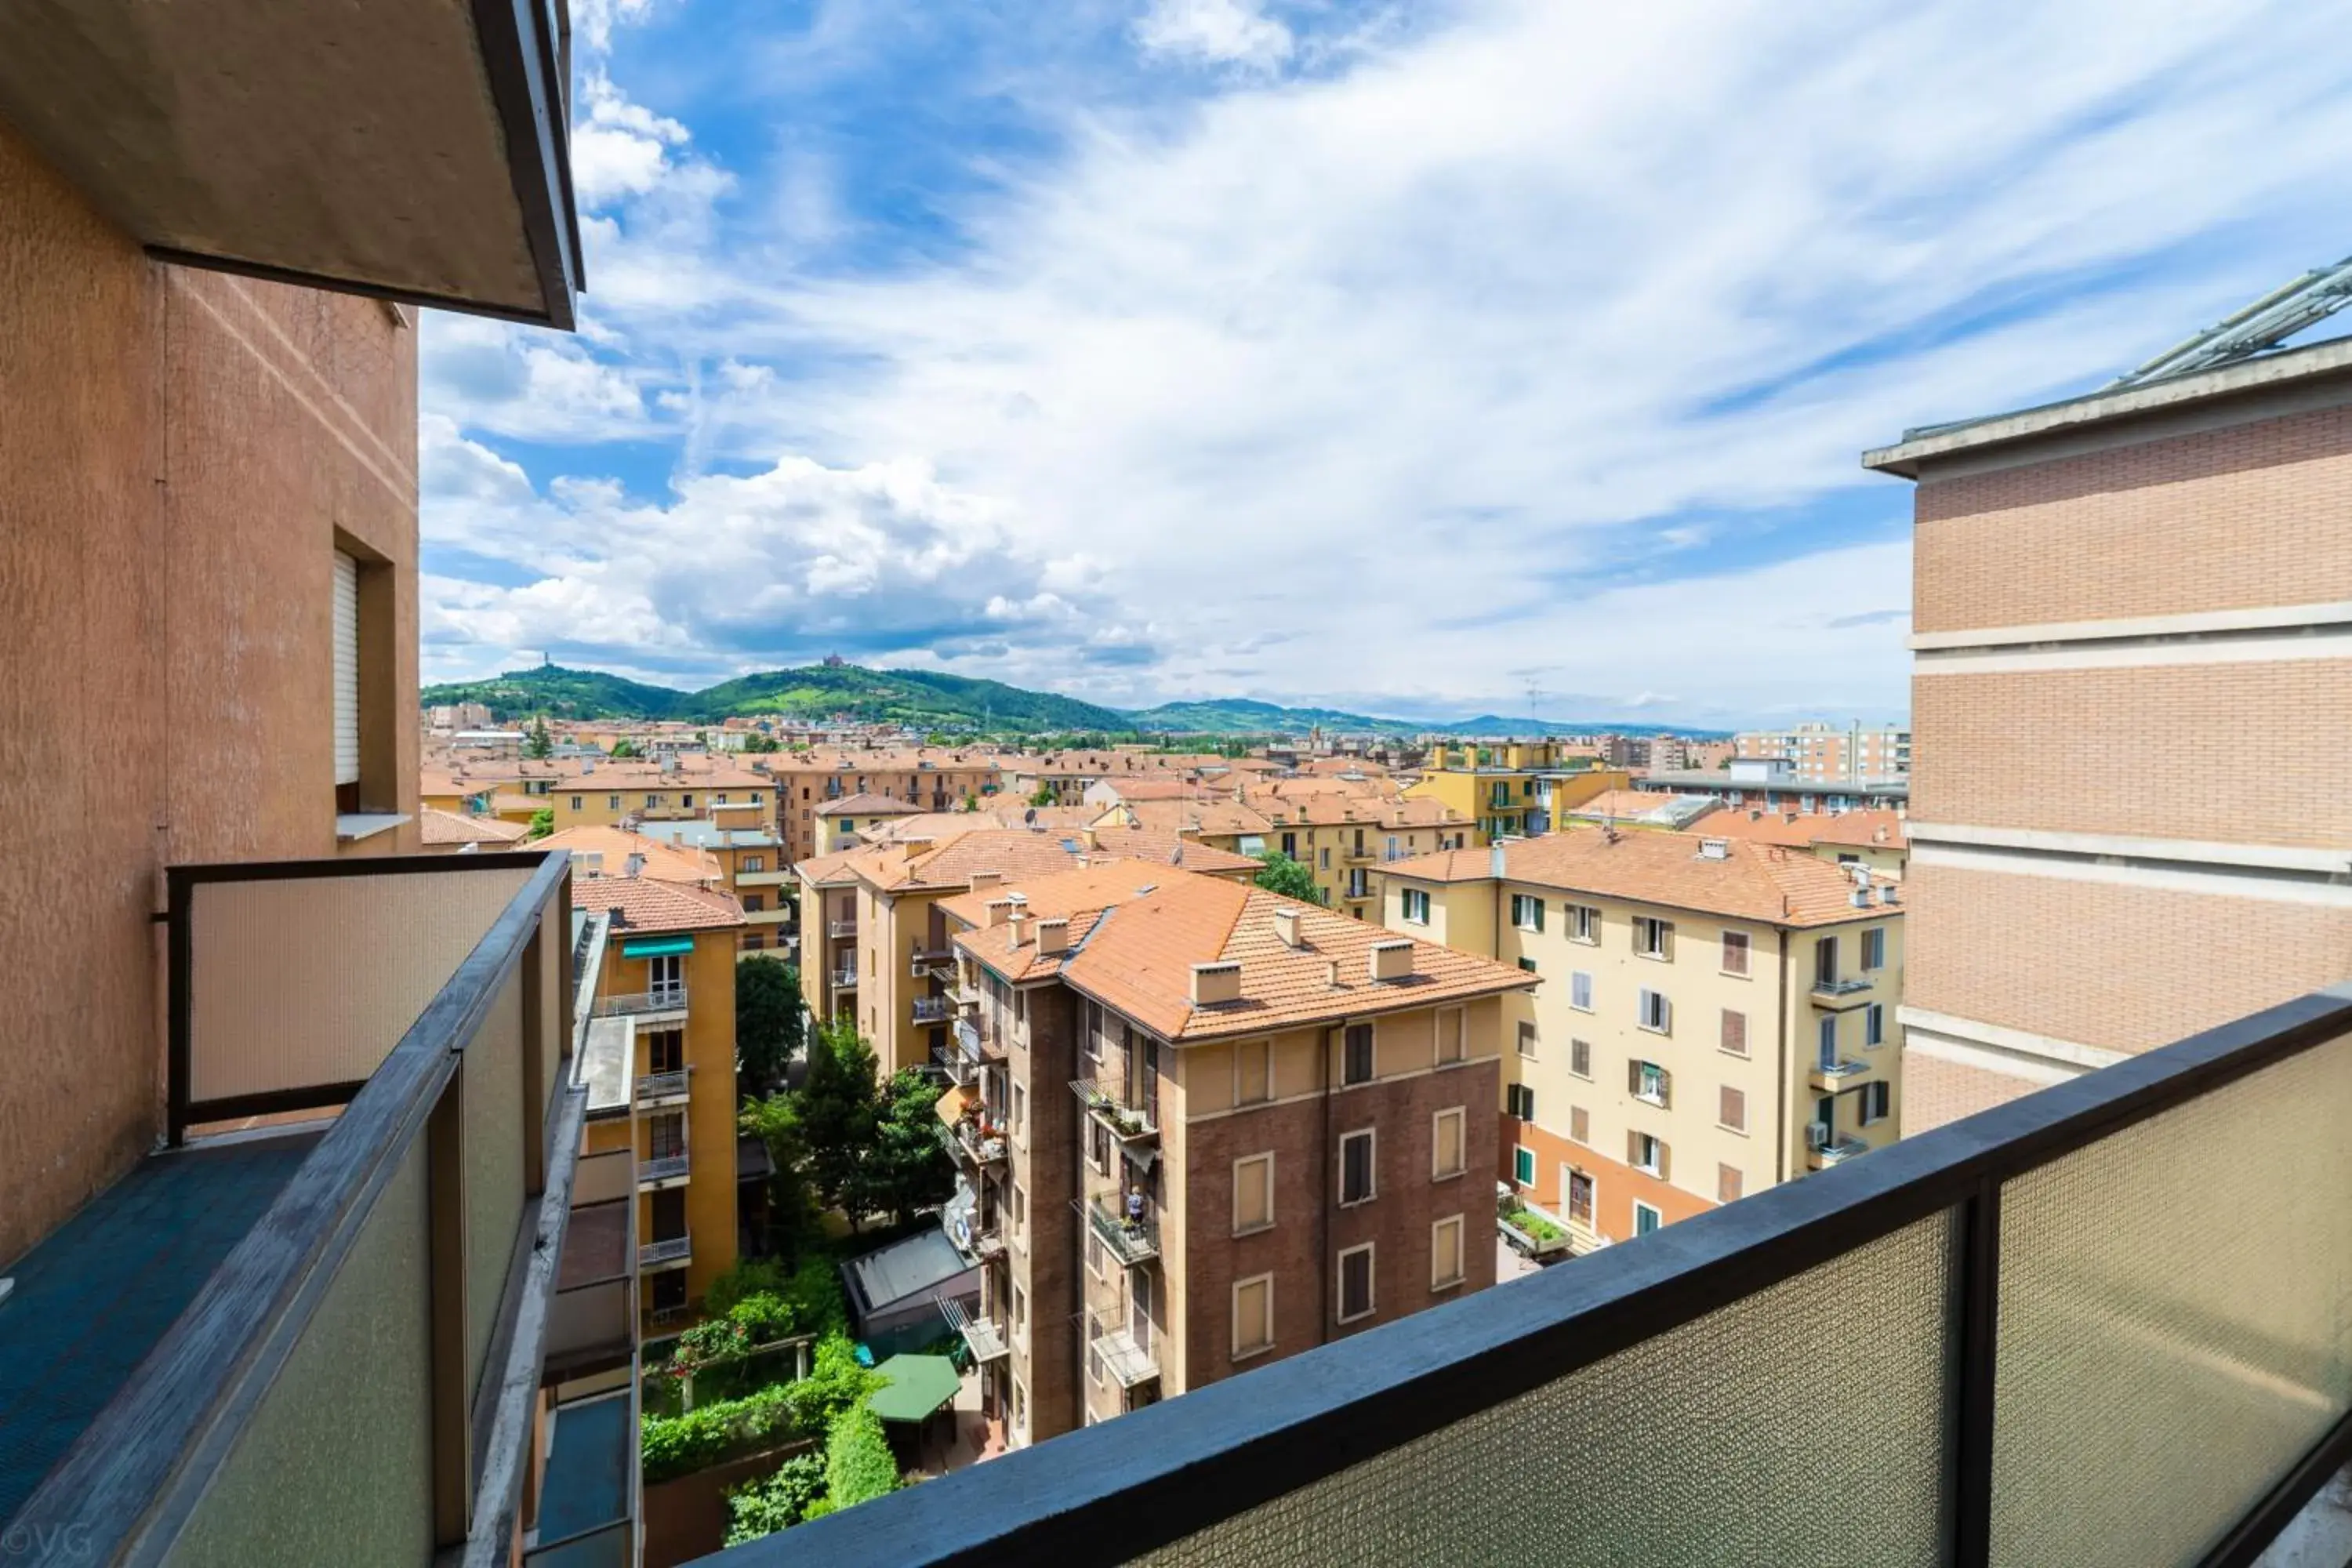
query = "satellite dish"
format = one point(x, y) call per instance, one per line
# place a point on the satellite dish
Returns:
point(1030, 815)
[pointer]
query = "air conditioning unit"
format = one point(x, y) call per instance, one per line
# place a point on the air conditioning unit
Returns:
point(1817, 1134)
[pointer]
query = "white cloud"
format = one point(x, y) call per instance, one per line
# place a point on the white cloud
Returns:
point(1220, 32)
point(1373, 383)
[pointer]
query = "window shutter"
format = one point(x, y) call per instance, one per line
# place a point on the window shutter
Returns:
point(1579, 1125)
point(1665, 1014)
point(1735, 1032)
point(1632, 1078)
point(347, 669)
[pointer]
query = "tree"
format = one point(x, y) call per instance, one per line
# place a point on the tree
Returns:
point(969, 804)
point(542, 822)
point(908, 1169)
point(623, 749)
point(1045, 795)
point(1281, 874)
point(770, 1026)
point(540, 743)
point(775, 1122)
point(838, 1107)
point(758, 744)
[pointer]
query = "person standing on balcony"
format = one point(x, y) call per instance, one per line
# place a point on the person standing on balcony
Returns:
point(1134, 1210)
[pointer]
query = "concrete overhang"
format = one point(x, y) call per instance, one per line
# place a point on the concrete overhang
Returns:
point(414, 149)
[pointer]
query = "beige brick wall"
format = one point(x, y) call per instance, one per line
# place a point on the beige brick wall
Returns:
point(1936, 1092)
point(2238, 752)
point(2260, 514)
point(2124, 968)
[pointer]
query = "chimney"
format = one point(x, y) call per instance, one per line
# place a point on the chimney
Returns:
point(1015, 921)
point(1886, 892)
point(1495, 863)
point(1331, 974)
point(985, 882)
point(1392, 959)
point(1861, 898)
point(1053, 935)
point(1086, 838)
point(1285, 925)
point(1216, 983)
point(999, 912)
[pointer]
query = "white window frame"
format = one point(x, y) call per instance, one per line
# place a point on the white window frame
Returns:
point(1265, 1157)
point(1746, 946)
point(1650, 1166)
point(1873, 1025)
point(1438, 1283)
point(1461, 1143)
point(1579, 984)
point(1371, 1135)
point(1643, 1072)
point(1740, 1126)
point(1372, 1282)
point(1526, 913)
point(1873, 950)
point(1584, 1072)
point(1525, 1034)
point(1584, 924)
point(1245, 1351)
point(1416, 899)
point(1649, 929)
point(1658, 1006)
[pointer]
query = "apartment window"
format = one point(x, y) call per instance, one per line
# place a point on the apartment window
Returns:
point(611, 802)
point(1584, 924)
point(1728, 1183)
point(1579, 1124)
point(1578, 1187)
point(1019, 1210)
point(753, 863)
point(1735, 953)
point(1020, 1113)
point(1090, 1028)
point(1873, 947)
point(1646, 1081)
point(346, 619)
point(1523, 1166)
point(1356, 1283)
point(1356, 1184)
point(1646, 1218)
point(1825, 965)
point(1519, 1100)
point(1253, 1316)
point(1873, 1024)
point(1527, 912)
point(1018, 1314)
point(665, 1050)
point(1653, 938)
point(1656, 1014)
point(1450, 1032)
point(1826, 1041)
point(1416, 906)
point(1448, 1152)
point(1356, 1050)
point(1445, 1253)
point(1528, 965)
point(1527, 1039)
point(686, 801)
point(1325, 863)
point(1580, 991)
point(575, 803)
point(1874, 1101)
point(1290, 845)
point(753, 903)
point(667, 1132)
point(1645, 1153)
point(1732, 1109)
point(1253, 1193)
point(1098, 1146)
point(1253, 1072)
point(1097, 1260)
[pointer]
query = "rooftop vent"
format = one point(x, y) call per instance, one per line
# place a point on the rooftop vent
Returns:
point(1216, 983)
point(1714, 849)
point(1285, 925)
point(1392, 959)
point(1861, 898)
point(1053, 935)
point(1886, 892)
point(1495, 862)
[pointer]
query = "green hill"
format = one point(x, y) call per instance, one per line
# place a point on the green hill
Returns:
point(1244, 716)
point(561, 694)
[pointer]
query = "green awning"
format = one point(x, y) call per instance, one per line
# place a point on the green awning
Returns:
point(917, 1385)
point(656, 946)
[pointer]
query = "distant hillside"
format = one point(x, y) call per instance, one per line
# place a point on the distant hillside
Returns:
point(561, 694)
point(924, 700)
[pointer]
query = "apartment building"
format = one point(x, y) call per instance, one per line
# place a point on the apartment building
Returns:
point(883, 958)
point(666, 984)
point(675, 789)
point(929, 778)
point(277, 1087)
point(2118, 600)
point(1513, 790)
point(1715, 1016)
point(748, 855)
point(1829, 754)
point(1203, 1127)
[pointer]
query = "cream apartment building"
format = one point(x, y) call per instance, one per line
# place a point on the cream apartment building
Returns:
point(2120, 601)
point(1715, 1016)
point(1201, 1128)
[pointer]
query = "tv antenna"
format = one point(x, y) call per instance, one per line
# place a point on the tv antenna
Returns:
point(2261, 326)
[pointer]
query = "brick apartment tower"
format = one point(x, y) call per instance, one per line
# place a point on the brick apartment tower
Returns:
point(2124, 604)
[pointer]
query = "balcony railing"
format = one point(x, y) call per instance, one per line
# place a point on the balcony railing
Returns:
point(844, 980)
point(1126, 1359)
point(983, 1336)
point(1130, 1123)
point(591, 1324)
point(2030, 1282)
point(669, 1251)
point(1837, 1070)
point(979, 1045)
point(967, 1143)
point(1833, 990)
point(1834, 1149)
point(930, 1009)
point(663, 1088)
point(1133, 1242)
point(841, 928)
point(637, 1004)
point(403, 1276)
point(662, 1171)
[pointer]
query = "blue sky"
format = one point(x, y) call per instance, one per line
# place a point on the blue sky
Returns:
point(1421, 358)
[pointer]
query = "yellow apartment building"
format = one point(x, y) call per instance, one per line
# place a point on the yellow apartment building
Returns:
point(1514, 789)
point(604, 795)
point(749, 857)
point(1714, 1017)
point(1201, 1128)
point(668, 974)
point(884, 956)
point(1344, 839)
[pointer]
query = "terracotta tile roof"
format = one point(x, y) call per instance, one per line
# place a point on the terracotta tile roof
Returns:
point(1017, 852)
point(835, 868)
point(1136, 932)
point(664, 861)
point(1762, 882)
point(1805, 829)
point(866, 805)
point(440, 826)
point(941, 824)
point(1220, 818)
point(647, 905)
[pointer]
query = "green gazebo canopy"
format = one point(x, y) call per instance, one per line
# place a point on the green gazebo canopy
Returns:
point(917, 1385)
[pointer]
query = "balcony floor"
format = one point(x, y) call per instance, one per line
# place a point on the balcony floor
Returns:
point(94, 1297)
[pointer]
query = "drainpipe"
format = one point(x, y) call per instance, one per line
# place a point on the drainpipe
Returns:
point(1325, 1265)
point(1780, 1030)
